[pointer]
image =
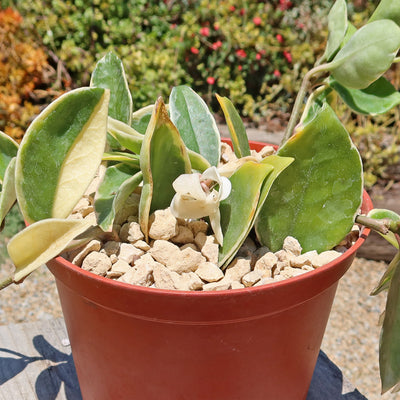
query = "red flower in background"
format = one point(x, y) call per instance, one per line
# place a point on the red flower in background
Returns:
point(241, 53)
point(285, 4)
point(242, 11)
point(279, 38)
point(205, 31)
point(211, 80)
point(216, 45)
point(257, 21)
point(258, 56)
point(194, 50)
point(240, 67)
point(277, 74)
point(288, 56)
point(232, 8)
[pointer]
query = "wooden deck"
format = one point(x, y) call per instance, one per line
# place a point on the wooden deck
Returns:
point(36, 364)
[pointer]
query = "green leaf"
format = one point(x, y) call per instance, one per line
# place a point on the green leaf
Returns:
point(109, 74)
point(8, 150)
point(163, 158)
point(125, 135)
point(60, 154)
point(384, 282)
point(389, 347)
point(141, 119)
point(387, 9)
point(236, 127)
point(279, 164)
point(367, 55)
point(40, 242)
point(316, 198)
point(126, 158)
point(337, 27)
point(377, 98)
point(132, 140)
point(7, 194)
point(238, 210)
point(195, 123)
point(118, 183)
point(378, 213)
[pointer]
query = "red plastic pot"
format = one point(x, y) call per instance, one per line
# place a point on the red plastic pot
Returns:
point(130, 342)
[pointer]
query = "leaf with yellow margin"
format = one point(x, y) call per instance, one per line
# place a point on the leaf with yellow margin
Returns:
point(60, 154)
point(42, 241)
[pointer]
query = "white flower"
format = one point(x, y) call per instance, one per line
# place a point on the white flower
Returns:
point(196, 197)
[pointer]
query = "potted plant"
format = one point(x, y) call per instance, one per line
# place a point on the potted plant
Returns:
point(139, 202)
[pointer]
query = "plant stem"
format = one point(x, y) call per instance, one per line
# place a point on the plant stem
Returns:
point(310, 100)
point(299, 100)
point(6, 282)
point(379, 225)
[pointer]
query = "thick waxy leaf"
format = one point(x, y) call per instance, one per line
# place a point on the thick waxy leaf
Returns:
point(126, 158)
point(236, 127)
point(389, 348)
point(316, 198)
point(132, 140)
point(387, 9)
point(109, 74)
point(367, 55)
point(141, 118)
point(8, 150)
point(337, 27)
point(42, 241)
point(195, 123)
point(7, 194)
point(238, 210)
point(386, 278)
point(279, 164)
point(60, 154)
point(163, 158)
point(377, 98)
point(118, 183)
point(125, 135)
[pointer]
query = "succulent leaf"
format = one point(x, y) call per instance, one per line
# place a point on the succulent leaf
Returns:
point(42, 241)
point(7, 194)
point(141, 118)
point(367, 55)
point(387, 9)
point(316, 198)
point(118, 183)
point(236, 127)
point(8, 150)
point(163, 157)
point(378, 98)
point(60, 154)
point(238, 210)
point(125, 135)
point(195, 123)
point(389, 346)
point(109, 74)
point(337, 27)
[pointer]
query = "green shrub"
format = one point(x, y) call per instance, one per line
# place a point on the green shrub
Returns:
point(254, 52)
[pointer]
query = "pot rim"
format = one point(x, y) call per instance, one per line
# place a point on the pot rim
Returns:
point(294, 281)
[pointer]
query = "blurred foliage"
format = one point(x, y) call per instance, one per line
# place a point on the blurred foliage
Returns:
point(25, 75)
point(252, 51)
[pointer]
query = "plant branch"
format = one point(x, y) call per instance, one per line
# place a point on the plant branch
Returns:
point(299, 99)
point(6, 282)
point(383, 225)
point(310, 100)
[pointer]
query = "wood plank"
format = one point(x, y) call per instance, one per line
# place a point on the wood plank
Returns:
point(36, 364)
